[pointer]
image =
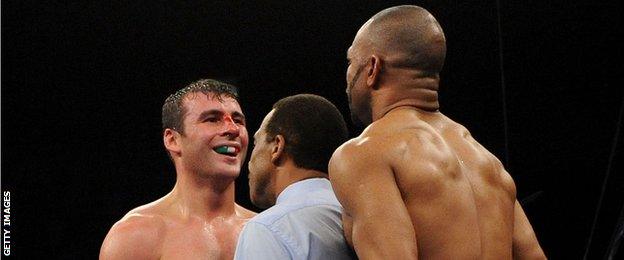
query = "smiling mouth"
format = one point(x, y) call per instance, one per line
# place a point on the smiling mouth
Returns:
point(227, 150)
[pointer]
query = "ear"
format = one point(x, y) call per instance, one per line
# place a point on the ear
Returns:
point(373, 73)
point(277, 152)
point(170, 139)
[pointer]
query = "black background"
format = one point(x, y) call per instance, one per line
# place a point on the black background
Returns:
point(83, 83)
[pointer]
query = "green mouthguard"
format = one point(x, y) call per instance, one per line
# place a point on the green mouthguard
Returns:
point(222, 149)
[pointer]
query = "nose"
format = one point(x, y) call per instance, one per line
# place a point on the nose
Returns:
point(231, 128)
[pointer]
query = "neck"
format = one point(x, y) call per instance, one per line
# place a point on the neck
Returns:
point(289, 173)
point(419, 93)
point(207, 197)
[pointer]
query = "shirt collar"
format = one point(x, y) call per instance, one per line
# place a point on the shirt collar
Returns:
point(303, 187)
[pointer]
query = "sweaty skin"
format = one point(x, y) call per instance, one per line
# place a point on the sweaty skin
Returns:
point(433, 186)
point(198, 219)
point(415, 184)
point(154, 231)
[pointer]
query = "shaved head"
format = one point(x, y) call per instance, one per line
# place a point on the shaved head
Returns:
point(396, 56)
point(406, 36)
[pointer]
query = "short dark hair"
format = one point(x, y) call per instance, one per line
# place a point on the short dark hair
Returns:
point(312, 128)
point(173, 111)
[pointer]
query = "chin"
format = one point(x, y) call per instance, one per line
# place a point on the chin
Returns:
point(357, 121)
point(232, 171)
point(260, 198)
point(229, 166)
point(262, 203)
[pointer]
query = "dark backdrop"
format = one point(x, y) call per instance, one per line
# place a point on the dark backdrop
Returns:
point(538, 83)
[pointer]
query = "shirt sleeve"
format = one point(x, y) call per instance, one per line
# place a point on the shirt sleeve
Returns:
point(256, 241)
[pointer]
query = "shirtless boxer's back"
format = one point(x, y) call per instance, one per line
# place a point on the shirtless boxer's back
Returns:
point(415, 183)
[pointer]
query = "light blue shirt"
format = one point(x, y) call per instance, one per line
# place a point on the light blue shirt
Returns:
point(305, 223)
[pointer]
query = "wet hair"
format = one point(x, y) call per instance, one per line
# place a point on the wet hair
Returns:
point(312, 128)
point(173, 111)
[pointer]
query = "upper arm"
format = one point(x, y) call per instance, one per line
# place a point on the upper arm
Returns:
point(131, 238)
point(256, 241)
point(364, 183)
point(525, 244)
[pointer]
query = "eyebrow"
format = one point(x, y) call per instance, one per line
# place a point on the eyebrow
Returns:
point(212, 112)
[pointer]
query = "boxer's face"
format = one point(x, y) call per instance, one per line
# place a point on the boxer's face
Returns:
point(357, 94)
point(261, 179)
point(214, 140)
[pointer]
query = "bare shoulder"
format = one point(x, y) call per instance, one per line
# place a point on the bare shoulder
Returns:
point(359, 150)
point(138, 235)
point(350, 158)
point(508, 183)
point(487, 160)
point(377, 147)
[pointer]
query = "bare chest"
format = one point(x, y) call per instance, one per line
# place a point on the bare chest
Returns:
point(200, 241)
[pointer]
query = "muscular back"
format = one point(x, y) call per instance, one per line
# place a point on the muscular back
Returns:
point(457, 193)
point(453, 195)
